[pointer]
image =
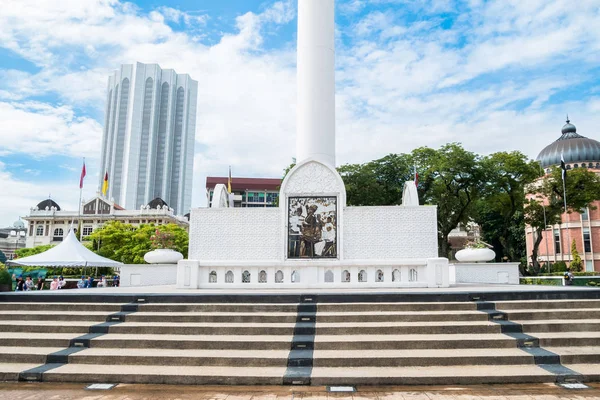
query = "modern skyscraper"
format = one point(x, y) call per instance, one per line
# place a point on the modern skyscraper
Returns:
point(149, 134)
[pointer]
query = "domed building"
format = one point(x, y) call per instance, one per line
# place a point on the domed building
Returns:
point(12, 238)
point(578, 152)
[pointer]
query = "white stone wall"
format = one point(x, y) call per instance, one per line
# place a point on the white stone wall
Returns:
point(148, 274)
point(501, 273)
point(242, 234)
point(388, 233)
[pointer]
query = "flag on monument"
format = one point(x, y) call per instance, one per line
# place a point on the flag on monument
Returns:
point(563, 167)
point(416, 176)
point(105, 184)
point(229, 182)
point(82, 176)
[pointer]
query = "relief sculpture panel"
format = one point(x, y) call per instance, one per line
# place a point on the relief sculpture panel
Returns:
point(312, 227)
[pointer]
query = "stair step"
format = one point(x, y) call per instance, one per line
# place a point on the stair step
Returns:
point(26, 355)
point(547, 304)
point(444, 375)
point(53, 307)
point(578, 355)
point(240, 342)
point(218, 307)
point(174, 375)
point(277, 317)
point(560, 314)
point(406, 306)
point(47, 326)
point(14, 315)
point(37, 339)
point(189, 357)
point(558, 325)
point(10, 371)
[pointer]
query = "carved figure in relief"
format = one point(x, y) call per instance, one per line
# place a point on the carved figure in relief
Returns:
point(312, 229)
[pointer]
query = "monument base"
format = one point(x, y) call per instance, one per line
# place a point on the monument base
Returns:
point(501, 273)
point(419, 273)
point(148, 274)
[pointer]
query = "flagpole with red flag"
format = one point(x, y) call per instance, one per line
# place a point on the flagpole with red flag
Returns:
point(79, 224)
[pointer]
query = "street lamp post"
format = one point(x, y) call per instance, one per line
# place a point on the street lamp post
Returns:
point(546, 239)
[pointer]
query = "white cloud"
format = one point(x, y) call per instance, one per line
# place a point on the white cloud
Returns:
point(18, 195)
point(39, 129)
point(403, 82)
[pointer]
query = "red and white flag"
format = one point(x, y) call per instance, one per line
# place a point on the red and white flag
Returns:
point(416, 176)
point(82, 176)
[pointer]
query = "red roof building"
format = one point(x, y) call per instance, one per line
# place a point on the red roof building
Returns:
point(248, 192)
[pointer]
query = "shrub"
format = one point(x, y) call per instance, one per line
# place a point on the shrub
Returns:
point(5, 277)
point(559, 266)
point(576, 264)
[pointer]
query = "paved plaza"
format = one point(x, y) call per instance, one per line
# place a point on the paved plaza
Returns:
point(51, 391)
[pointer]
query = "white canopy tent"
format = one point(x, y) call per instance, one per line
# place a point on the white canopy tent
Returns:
point(69, 253)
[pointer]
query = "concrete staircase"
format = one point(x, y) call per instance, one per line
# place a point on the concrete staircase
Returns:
point(318, 340)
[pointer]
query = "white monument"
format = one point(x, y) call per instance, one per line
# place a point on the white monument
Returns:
point(313, 240)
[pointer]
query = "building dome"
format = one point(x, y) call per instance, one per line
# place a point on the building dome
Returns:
point(573, 147)
point(157, 202)
point(19, 225)
point(48, 203)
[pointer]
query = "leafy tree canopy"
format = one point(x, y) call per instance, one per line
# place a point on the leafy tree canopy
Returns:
point(26, 252)
point(128, 244)
point(499, 210)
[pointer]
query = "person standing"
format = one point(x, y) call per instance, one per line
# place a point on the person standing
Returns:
point(29, 285)
point(81, 283)
point(20, 284)
point(54, 284)
point(568, 277)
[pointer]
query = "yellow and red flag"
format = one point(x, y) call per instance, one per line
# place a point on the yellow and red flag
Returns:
point(105, 184)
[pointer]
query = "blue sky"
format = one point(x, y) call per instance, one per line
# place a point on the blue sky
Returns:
point(493, 75)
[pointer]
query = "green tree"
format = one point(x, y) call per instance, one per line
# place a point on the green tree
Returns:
point(576, 264)
point(499, 210)
point(128, 244)
point(582, 188)
point(26, 252)
point(452, 179)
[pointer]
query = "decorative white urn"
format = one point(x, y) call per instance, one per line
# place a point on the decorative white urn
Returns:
point(163, 256)
point(475, 255)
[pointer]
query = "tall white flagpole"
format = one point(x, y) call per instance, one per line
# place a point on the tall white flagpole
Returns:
point(79, 223)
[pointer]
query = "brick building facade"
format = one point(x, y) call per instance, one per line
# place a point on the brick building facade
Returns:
point(578, 152)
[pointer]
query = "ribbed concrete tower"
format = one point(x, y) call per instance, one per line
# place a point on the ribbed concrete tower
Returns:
point(316, 81)
point(149, 134)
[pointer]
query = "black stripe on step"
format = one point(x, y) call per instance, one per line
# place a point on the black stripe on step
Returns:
point(300, 359)
point(61, 357)
point(543, 358)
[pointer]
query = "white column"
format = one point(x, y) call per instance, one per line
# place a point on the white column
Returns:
point(316, 81)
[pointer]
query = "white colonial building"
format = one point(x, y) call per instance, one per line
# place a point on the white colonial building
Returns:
point(49, 224)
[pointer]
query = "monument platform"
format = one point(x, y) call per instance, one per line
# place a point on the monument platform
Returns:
point(464, 334)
